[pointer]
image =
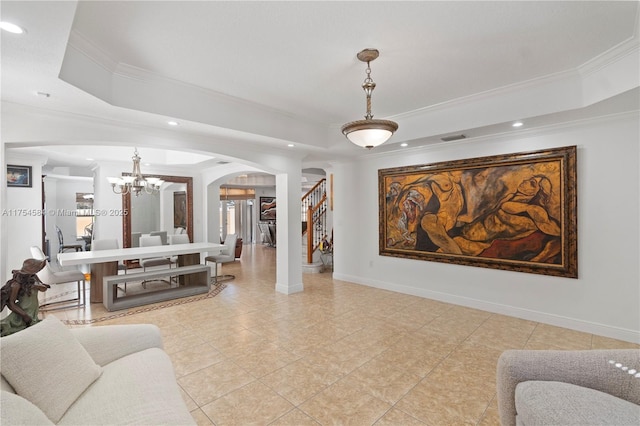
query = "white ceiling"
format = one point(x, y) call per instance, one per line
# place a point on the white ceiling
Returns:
point(259, 75)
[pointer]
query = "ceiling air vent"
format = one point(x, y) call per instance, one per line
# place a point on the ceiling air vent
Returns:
point(452, 138)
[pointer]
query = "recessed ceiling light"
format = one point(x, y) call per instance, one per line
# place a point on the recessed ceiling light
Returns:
point(517, 124)
point(12, 28)
point(172, 123)
point(404, 144)
point(291, 145)
point(89, 159)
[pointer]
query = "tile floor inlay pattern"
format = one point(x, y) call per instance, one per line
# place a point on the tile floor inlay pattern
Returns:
point(337, 353)
point(152, 307)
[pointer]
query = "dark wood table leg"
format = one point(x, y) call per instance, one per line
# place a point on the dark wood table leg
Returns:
point(187, 260)
point(98, 272)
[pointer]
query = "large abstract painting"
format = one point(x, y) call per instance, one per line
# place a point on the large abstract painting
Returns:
point(515, 212)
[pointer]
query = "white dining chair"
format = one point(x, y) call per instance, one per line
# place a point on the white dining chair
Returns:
point(135, 239)
point(62, 246)
point(179, 239)
point(110, 244)
point(227, 254)
point(161, 234)
point(151, 241)
point(48, 276)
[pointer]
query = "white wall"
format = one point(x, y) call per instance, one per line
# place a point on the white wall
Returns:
point(167, 201)
point(107, 224)
point(61, 205)
point(604, 300)
point(261, 192)
point(21, 214)
point(145, 213)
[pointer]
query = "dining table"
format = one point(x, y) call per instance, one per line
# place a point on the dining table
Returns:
point(104, 263)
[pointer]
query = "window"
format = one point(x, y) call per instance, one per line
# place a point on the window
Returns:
point(84, 214)
point(227, 218)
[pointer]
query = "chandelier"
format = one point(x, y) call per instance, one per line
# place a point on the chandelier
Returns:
point(369, 133)
point(135, 183)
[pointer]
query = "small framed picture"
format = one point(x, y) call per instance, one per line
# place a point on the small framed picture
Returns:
point(19, 176)
point(267, 209)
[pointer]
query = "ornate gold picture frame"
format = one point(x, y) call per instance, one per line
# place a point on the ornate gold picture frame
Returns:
point(516, 212)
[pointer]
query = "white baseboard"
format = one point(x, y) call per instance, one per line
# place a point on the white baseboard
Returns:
point(289, 289)
point(618, 333)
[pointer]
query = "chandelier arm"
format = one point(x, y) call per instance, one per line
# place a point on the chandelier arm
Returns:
point(124, 189)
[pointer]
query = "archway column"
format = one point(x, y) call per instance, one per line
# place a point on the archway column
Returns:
point(289, 230)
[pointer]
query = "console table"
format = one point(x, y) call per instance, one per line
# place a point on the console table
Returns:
point(105, 262)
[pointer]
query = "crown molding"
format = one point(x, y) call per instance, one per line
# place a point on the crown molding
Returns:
point(87, 48)
point(98, 56)
point(601, 62)
point(610, 57)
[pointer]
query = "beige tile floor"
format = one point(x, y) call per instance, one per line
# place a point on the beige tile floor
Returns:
point(337, 353)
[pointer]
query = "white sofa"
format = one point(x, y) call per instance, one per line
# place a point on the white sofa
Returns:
point(107, 375)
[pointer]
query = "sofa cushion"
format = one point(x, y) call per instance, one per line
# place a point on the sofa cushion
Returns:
point(558, 403)
point(122, 340)
point(140, 388)
point(15, 410)
point(5, 386)
point(46, 365)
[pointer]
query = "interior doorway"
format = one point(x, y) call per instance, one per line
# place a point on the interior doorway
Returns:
point(237, 217)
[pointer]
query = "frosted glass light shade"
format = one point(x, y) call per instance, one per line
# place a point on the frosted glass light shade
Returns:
point(369, 133)
point(369, 138)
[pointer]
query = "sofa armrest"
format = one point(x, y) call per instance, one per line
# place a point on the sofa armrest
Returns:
point(108, 343)
point(590, 368)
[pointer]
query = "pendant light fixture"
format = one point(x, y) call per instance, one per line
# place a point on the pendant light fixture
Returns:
point(369, 133)
point(135, 183)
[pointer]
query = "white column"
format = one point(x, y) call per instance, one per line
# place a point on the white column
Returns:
point(108, 223)
point(289, 231)
point(212, 213)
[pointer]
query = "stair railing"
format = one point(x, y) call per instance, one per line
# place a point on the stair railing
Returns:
point(314, 214)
